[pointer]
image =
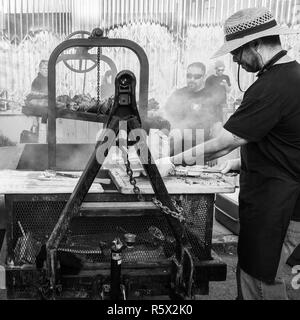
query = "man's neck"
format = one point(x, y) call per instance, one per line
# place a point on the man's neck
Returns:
point(269, 53)
point(285, 59)
point(196, 91)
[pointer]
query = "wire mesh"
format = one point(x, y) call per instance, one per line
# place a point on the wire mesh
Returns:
point(198, 212)
point(91, 237)
point(98, 233)
point(33, 223)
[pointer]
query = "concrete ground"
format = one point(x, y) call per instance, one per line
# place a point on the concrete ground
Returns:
point(224, 244)
point(224, 290)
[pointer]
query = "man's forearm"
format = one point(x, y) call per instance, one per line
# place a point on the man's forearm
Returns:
point(210, 150)
point(216, 155)
point(207, 151)
point(217, 148)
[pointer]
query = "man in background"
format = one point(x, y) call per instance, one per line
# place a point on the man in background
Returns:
point(192, 107)
point(220, 85)
point(40, 83)
point(38, 98)
point(107, 87)
point(38, 95)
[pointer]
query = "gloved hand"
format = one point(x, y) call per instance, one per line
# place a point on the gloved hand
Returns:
point(165, 166)
point(232, 165)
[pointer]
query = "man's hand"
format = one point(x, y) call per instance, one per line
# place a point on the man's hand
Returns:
point(230, 165)
point(165, 166)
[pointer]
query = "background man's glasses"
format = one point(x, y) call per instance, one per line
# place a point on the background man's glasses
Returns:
point(194, 76)
point(220, 70)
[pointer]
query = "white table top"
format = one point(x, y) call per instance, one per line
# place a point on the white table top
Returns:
point(35, 182)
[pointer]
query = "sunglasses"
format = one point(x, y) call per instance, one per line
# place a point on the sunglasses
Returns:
point(237, 51)
point(194, 76)
point(220, 70)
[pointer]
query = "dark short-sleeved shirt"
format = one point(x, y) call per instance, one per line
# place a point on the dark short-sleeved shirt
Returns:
point(192, 110)
point(198, 108)
point(40, 84)
point(269, 119)
point(213, 83)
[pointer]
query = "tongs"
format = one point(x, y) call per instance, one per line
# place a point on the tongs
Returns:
point(208, 170)
point(52, 173)
point(198, 172)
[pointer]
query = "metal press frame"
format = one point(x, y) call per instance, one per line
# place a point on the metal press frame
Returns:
point(92, 42)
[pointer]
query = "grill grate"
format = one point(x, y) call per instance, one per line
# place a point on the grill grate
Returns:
point(91, 237)
point(95, 233)
point(38, 217)
point(198, 211)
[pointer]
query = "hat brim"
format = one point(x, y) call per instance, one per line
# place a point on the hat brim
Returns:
point(229, 46)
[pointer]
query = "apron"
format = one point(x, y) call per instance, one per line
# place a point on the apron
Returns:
point(267, 201)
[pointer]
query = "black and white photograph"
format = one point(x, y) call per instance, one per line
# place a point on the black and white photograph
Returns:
point(149, 153)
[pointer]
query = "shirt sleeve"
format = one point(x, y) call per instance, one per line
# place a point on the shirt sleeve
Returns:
point(255, 117)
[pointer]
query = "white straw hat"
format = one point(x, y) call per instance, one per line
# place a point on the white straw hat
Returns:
point(247, 25)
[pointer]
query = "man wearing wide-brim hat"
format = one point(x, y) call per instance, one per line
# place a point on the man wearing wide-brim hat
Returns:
point(267, 128)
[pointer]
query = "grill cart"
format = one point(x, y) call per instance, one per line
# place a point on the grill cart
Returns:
point(73, 230)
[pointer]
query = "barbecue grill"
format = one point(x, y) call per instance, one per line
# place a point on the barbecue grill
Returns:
point(62, 232)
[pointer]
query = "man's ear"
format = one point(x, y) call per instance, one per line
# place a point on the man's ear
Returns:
point(255, 44)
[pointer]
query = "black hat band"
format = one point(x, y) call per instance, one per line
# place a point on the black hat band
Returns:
point(250, 31)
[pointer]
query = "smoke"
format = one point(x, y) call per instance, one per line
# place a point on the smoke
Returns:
point(200, 113)
point(5, 141)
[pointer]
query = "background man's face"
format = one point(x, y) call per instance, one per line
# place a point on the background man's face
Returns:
point(195, 78)
point(220, 71)
point(44, 69)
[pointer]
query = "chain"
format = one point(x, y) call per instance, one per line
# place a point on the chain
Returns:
point(132, 180)
point(98, 76)
point(166, 210)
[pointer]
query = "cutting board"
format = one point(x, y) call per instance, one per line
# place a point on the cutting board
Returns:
point(35, 182)
point(207, 184)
